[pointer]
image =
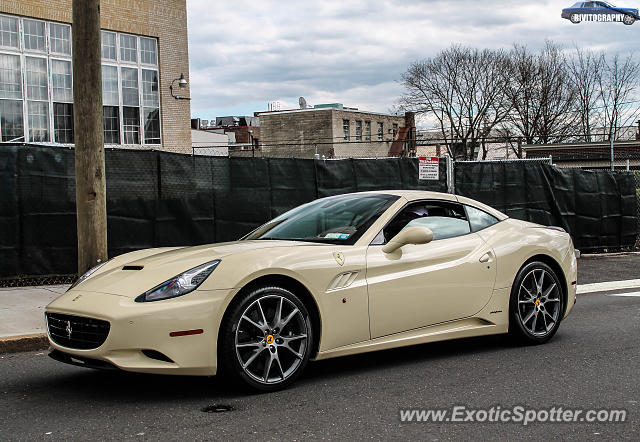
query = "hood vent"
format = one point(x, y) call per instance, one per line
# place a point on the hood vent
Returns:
point(132, 267)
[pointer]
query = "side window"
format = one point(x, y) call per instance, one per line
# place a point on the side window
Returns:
point(446, 220)
point(479, 219)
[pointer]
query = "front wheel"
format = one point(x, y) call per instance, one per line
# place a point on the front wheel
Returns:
point(536, 304)
point(266, 339)
point(628, 20)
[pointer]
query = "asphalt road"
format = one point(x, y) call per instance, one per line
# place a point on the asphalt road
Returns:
point(601, 268)
point(593, 362)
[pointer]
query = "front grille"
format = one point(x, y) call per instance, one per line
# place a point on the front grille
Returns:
point(77, 332)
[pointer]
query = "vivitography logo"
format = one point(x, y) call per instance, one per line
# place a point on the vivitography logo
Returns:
point(600, 12)
point(518, 414)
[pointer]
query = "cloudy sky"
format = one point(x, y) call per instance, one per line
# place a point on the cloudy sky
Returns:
point(244, 54)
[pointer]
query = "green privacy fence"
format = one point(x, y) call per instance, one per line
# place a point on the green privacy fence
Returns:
point(165, 199)
point(598, 207)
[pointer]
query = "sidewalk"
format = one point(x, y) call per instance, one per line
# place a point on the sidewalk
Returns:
point(22, 325)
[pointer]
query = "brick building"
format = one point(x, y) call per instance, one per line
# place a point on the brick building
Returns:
point(144, 48)
point(333, 132)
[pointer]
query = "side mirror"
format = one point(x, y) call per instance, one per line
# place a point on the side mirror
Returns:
point(409, 235)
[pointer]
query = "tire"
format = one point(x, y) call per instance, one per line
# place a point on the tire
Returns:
point(266, 339)
point(628, 20)
point(575, 19)
point(536, 305)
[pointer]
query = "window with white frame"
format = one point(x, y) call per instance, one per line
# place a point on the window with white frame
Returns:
point(130, 89)
point(37, 98)
point(62, 96)
point(108, 45)
point(380, 131)
point(34, 35)
point(148, 51)
point(36, 84)
point(358, 130)
point(367, 130)
point(129, 48)
point(345, 129)
point(60, 38)
point(9, 31)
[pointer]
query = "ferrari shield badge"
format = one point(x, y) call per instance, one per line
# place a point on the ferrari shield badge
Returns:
point(339, 257)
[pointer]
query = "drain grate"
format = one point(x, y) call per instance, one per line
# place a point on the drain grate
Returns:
point(217, 408)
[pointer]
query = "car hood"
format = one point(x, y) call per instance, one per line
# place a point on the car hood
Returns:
point(134, 273)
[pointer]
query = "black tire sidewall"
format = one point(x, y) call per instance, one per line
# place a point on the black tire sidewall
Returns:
point(227, 357)
point(516, 328)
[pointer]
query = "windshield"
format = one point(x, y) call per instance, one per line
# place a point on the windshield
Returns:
point(338, 219)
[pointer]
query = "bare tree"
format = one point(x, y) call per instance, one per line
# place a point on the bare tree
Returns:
point(541, 95)
point(585, 67)
point(463, 89)
point(617, 84)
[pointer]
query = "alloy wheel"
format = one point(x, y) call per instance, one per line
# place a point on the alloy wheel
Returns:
point(539, 302)
point(271, 339)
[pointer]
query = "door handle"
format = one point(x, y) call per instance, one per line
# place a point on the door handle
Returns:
point(487, 257)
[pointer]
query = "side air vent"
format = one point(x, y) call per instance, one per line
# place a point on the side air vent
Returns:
point(343, 280)
point(132, 267)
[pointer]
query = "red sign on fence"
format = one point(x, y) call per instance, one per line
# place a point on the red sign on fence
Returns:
point(428, 168)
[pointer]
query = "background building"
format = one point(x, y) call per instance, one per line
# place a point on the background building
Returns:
point(333, 131)
point(144, 49)
point(211, 143)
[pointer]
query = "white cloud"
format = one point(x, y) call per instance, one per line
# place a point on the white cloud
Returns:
point(245, 54)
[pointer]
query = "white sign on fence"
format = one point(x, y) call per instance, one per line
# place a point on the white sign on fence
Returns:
point(428, 168)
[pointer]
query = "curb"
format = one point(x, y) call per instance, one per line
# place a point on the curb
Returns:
point(605, 255)
point(15, 344)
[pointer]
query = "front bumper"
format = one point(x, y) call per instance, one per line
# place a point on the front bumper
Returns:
point(139, 329)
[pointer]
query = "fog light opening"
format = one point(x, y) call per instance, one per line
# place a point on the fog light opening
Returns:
point(154, 354)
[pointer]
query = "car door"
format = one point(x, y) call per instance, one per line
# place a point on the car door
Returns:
point(449, 278)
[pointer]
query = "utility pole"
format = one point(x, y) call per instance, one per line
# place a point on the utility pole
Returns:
point(91, 210)
point(612, 137)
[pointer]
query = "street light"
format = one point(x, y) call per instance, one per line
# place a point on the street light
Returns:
point(182, 83)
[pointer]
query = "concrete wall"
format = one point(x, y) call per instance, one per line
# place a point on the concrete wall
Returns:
point(164, 19)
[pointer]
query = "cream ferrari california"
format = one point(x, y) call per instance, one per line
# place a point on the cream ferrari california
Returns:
point(337, 276)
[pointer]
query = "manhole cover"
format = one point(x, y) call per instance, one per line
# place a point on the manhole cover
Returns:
point(216, 408)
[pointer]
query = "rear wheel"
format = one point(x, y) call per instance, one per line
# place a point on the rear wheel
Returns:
point(575, 19)
point(266, 339)
point(536, 304)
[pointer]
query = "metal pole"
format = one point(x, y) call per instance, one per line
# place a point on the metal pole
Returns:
point(612, 157)
point(91, 210)
point(451, 176)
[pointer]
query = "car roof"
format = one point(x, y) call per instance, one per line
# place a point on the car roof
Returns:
point(414, 195)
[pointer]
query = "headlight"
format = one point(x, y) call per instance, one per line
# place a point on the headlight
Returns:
point(180, 285)
point(90, 272)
